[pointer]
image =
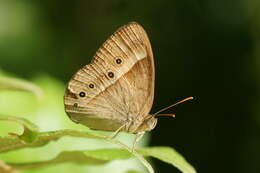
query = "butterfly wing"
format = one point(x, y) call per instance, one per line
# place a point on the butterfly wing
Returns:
point(118, 85)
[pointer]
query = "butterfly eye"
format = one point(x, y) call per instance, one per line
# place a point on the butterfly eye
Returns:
point(110, 74)
point(118, 61)
point(82, 94)
point(91, 85)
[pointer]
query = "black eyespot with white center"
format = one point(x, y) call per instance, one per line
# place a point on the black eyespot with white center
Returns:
point(91, 85)
point(118, 61)
point(82, 94)
point(110, 74)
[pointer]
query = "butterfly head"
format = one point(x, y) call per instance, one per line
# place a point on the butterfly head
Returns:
point(148, 124)
point(151, 123)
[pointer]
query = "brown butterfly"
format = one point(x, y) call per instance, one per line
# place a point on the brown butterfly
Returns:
point(116, 91)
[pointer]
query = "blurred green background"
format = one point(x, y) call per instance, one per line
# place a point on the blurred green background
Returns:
point(206, 49)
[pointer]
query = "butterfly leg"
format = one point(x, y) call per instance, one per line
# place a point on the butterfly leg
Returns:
point(116, 132)
point(138, 137)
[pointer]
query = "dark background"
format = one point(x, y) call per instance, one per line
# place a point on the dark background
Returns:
point(206, 49)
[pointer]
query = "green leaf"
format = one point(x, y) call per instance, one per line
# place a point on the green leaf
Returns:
point(168, 155)
point(100, 156)
point(132, 171)
point(30, 130)
point(91, 157)
point(64, 157)
point(8, 83)
point(9, 143)
point(4, 168)
point(109, 154)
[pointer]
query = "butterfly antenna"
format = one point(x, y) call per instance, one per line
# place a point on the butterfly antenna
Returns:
point(168, 107)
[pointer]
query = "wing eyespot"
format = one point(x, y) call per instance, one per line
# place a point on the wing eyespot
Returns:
point(91, 85)
point(82, 94)
point(119, 61)
point(110, 74)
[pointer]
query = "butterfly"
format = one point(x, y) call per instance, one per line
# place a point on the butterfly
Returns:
point(115, 91)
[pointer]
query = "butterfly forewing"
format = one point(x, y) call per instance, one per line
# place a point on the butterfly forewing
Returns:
point(117, 86)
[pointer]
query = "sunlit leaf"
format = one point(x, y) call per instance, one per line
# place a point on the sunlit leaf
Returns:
point(100, 156)
point(132, 171)
point(109, 154)
point(30, 130)
point(4, 168)
point(168, 155)
point(64, 157)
